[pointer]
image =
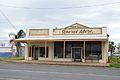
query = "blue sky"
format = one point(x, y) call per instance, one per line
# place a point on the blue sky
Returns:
point(25, 14)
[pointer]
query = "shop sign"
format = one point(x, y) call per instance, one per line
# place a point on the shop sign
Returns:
point(77, 31)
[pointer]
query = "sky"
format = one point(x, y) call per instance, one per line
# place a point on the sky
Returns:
point(24, 14)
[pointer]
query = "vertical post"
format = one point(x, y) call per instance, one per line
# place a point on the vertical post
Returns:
point(103, 49)
point(84, 51)
point(26, 51)
point(38, 52)
point(64, 51)
point(45, 49)
point(34, 53)
point(31, 52)
point(107, 50)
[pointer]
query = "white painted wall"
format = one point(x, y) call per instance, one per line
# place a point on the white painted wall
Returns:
point(5, 49)
point(104, 52)
point(40, 44)
point(51, 50)
point(5, 46)
point(104, 31)
point(4, 43)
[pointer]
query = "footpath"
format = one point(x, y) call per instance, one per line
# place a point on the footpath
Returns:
point(61, 63)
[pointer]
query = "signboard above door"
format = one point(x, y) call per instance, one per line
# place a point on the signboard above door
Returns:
point(77, 29)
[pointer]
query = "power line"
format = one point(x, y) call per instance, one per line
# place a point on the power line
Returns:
point(7, 19)
point(47, 8)
point(95, 5)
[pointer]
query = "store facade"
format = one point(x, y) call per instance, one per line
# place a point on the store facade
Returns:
point(72, 43)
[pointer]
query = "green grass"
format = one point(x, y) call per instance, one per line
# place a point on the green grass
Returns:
point(114, 62)
point(114, 59)
point(11, 58)
point(115, 65)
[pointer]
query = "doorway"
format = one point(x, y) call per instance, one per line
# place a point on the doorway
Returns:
point(35, 53)
point(76, 53)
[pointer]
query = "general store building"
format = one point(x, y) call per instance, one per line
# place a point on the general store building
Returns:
point(72, 43)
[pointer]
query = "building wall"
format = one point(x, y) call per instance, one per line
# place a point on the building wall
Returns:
point(38, 32)
point(5, 52)
point(50, 45)
point(5, 49)
point(66, 32)
point(51, 50)
point(75, 30)
point(4, 43)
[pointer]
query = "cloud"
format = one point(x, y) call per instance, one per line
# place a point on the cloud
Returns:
point(90, 16)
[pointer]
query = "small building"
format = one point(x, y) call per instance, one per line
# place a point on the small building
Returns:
point(5, 49)
point(72, 43)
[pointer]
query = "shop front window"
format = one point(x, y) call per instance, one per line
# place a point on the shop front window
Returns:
point(93, 50)
point(58, 49)
point(69, 45)
point(35, 52)
point(68, 50)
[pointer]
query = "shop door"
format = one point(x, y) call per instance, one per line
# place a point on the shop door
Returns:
point(77, 54)
point(35, 53)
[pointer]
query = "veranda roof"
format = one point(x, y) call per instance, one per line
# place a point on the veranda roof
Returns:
point(62, 38)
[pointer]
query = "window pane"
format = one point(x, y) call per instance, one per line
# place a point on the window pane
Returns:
point(58, 49)
point(69, 45)
point(93, 50)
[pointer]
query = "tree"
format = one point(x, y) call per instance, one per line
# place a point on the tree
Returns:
point(111, 47)
point(20, 34)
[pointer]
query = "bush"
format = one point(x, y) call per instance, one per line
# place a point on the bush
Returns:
point(115, 62)
point(114, 59)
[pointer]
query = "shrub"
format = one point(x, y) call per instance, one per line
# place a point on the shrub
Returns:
point(114, 59)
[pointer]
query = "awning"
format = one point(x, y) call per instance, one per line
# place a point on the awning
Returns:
point(62, 38)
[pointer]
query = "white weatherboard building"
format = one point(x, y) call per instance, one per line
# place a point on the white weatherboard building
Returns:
point(5, 49)
point(72, 43)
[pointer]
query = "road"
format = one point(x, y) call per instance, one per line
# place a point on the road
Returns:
point(18, 71)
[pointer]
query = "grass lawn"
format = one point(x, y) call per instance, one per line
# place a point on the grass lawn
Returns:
point(115, 65)
point(11, 58)
point(114, 62)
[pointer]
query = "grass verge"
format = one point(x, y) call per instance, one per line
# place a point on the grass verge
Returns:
point(114, 62)
point(115, 65)
point(114, 59)
point(11, 58)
